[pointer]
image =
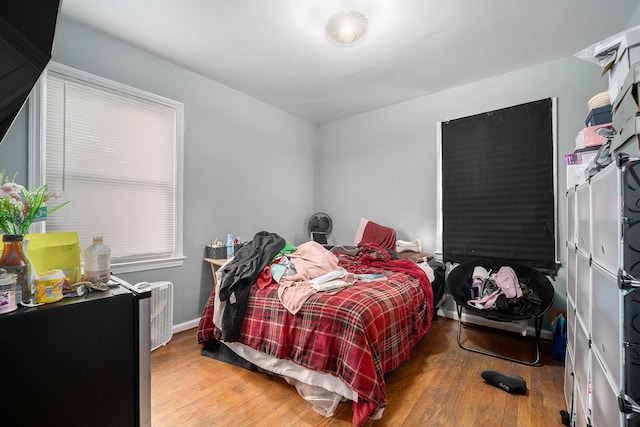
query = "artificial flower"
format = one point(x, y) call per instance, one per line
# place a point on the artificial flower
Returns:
point(19, 206)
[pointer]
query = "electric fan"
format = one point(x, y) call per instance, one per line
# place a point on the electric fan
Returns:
point(319, 222)
point(161, 313)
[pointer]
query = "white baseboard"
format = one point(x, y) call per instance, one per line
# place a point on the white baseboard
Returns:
point(505, 326)
point(185, 326)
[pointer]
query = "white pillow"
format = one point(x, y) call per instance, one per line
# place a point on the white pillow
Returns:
point(360, 231)
point(403, 246)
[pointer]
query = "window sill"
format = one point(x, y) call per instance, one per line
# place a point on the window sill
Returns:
point(135, 266)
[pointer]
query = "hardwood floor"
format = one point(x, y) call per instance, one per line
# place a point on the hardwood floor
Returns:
point(440, 386)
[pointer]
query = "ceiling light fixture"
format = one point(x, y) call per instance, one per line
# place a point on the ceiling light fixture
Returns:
point(347, 28)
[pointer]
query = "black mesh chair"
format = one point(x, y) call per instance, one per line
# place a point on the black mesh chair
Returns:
point(459, 283)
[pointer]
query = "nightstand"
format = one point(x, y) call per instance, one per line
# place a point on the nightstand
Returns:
point(215, 264)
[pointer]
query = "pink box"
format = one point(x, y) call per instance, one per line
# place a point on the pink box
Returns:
point(597, 135)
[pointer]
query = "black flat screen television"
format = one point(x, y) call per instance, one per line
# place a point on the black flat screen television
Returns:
point(27, 29)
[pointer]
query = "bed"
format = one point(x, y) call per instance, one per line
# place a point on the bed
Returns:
point(338, 345)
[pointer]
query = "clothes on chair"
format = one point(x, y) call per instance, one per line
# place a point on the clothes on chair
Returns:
point(537, 292)
point(503, 291)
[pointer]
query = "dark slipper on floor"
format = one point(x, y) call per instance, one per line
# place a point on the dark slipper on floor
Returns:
point(513, 384)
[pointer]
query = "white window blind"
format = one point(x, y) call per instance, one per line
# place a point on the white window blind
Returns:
point(114, 156)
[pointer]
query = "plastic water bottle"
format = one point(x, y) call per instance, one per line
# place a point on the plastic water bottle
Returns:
point(229, 245)
point(97, 262)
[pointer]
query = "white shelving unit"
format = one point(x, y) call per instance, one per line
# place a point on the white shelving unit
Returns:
point(602, 369)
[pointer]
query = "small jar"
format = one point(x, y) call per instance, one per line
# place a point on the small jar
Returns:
point(49, 286)
point(8, 302)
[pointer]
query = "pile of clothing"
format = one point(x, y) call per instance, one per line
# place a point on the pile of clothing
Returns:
point(501, 291)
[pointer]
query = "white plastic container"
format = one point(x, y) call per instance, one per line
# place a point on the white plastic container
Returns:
point(97, 262)
point(49, 285)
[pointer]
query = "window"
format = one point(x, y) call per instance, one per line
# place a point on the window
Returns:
point(498, 187)
point(115, 153)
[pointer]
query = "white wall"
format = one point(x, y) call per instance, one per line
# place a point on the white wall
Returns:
point(635, 17)
point(382, 164)
point(248, 166)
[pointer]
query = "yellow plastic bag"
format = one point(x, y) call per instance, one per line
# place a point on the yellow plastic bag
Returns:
point(55, 251)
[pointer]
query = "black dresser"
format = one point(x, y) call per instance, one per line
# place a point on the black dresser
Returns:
point(77, 362)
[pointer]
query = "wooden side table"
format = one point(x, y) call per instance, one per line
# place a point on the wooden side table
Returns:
point(215, 264)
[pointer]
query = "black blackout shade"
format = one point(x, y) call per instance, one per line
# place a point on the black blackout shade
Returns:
point(498, 186)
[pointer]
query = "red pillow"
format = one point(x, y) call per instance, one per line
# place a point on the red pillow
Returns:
point(370, 232)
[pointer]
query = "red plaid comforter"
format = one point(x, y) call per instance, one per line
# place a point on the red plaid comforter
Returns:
point(357, 334)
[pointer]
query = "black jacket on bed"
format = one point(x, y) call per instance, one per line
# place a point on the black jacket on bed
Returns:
point(240, 274)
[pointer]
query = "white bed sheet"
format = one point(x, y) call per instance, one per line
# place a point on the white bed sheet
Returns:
point(323, 391)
